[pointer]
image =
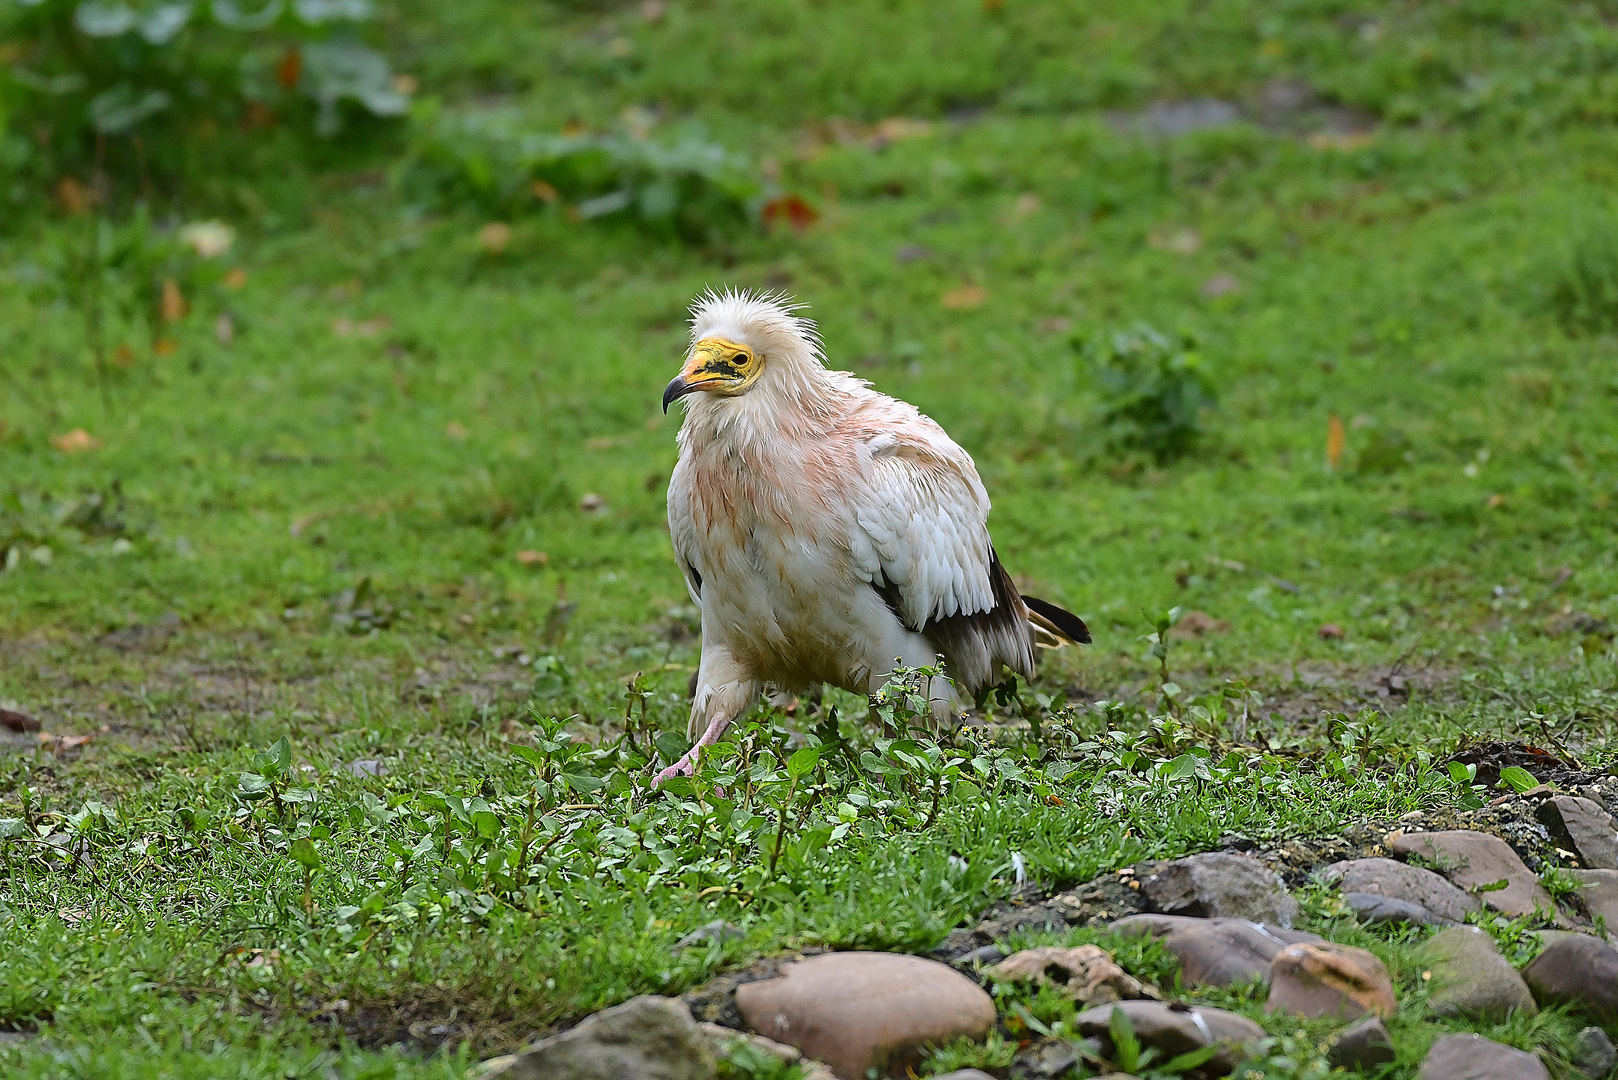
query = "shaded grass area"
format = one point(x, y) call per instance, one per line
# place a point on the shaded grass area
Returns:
point(333, 503)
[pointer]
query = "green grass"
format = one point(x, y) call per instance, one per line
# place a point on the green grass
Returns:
point(1439, 285)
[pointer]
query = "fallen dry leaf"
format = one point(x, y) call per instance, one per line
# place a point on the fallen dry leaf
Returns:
point(171, 305)
point(20, 722)
point(794, 210)
point(76, 441)
point(591, 503)
point(164, 346)
point(494, 237)
point(653, 10)
point(1331, 632)
point(456, 430)
point(964, 297)
point(1056, 324)
point(1496, 500)
point(224, 328)
point(1179, 240)
point(290, 68)
point(122, 357)
point(1195, 624)
point(62, 744)
point(1086, 973)
point(1345, 141)
point(533, 558)
point(74, 196)
point(1027, 203)
point(343, 326)
point(544, 192)
point(1220, 285)
point(405, 85)
point(236, 278)
point(1335, 438)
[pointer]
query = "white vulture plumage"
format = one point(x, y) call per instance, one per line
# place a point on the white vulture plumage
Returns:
point(828, 532)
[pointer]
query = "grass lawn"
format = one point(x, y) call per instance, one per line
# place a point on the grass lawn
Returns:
point(314, 544)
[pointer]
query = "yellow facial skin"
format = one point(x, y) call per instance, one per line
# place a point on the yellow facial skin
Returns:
point(715, 366)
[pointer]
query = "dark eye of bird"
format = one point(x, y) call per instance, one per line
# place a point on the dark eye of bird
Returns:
point(740, 359)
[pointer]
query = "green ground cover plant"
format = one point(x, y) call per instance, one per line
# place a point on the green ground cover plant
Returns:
point(351, 563)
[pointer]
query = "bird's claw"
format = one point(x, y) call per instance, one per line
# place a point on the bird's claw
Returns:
point(686, 766)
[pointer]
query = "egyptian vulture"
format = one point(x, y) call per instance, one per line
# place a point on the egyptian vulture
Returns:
point(828, 532)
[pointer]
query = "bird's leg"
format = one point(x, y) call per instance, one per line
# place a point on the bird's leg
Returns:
point(687, 765)
point(719, 704)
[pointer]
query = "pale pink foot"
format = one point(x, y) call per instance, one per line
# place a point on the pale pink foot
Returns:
point(686, 766)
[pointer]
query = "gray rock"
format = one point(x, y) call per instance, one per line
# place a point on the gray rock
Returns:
point(864, 1010)
point(646, 1038)
point(1215, 952)
point(1046, 1060)
point(1397, 881)
point(1594, 1053)
point(1577, 970)
point(1582, 826)
point(1471, 859)
point(1467, 976)
point(1599, 892)
point(1217, 885)
point(1362, 1047)
point(718, 930)
point(1371, 908)
point(1177, 1029)
point(985, 955)
point(368, 767)
point(1472, 1057)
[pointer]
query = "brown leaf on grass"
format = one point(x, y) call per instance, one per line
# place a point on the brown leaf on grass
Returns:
point(405, 85)
point(224, 328)
point(1496, 501)
point(456, 430)
point(289, 69)
point(164, 346)
point(1195, 624)
point(20, 722)
point(653, 10)
point(545, 193)
point(1178, 239)
point(533, 558)
point(63, 744)
point(794, 210)
point(1335, 438)
point(1220, 285)
point(236, 278)
point(494, 238)
point(171, 305)
point(1345, 141)
point(76, 441)
point(343, 326)
point(964, 297)
point(1027, 203)
point(591, 503)
point(73, 196)
point(1331, 632)
point(122, 357)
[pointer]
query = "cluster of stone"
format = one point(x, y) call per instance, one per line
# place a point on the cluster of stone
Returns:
point(1226, 918)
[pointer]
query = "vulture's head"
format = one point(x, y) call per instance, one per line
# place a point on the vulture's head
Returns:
point(744, 342)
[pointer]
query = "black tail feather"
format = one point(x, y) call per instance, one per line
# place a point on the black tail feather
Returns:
point(1068, 623)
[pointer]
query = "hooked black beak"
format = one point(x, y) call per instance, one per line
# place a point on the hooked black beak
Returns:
point(676, 390)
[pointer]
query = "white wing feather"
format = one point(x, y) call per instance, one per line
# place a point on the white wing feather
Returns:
point(925, 514)
point(683, 530)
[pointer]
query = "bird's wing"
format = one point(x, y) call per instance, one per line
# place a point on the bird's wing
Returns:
point(924, 515)
point(683, 529)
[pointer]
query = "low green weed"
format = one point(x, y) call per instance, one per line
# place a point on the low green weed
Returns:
point(1156, 390)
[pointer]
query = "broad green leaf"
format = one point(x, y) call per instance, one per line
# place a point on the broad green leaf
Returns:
point(304, 854)
point(1518, 779)
point(275, 760)
point(803, 761)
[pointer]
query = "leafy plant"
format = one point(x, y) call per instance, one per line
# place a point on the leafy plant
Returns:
point(685, 186)
point(1155, 390)
point(108, 88)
